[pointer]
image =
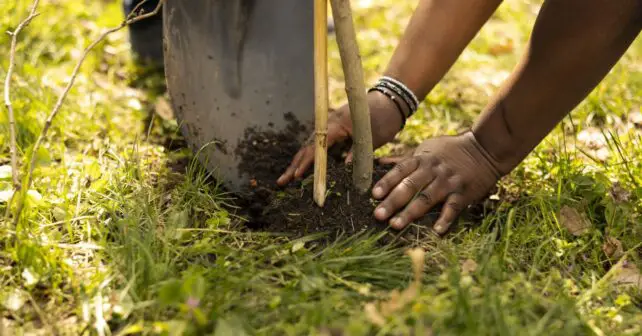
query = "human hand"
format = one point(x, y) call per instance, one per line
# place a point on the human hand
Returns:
point(385, 122)
point(455, 170)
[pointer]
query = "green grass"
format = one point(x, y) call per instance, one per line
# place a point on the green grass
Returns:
point(113, 241)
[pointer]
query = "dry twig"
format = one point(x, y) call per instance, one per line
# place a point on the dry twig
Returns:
point(7, 95)
point(43, 134)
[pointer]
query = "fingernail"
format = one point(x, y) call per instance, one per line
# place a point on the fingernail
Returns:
point(396, 222)
point(440, 228)
point(377, 192)
point(381, 213)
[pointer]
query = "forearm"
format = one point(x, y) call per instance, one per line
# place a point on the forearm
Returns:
point(573, 45)
point(437, 33)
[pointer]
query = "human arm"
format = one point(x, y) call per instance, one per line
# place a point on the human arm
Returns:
point(436, 34)
point(573, 46)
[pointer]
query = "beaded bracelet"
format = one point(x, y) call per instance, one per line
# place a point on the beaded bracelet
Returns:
point(403, 87)
point(392, 97)
point(400, 92)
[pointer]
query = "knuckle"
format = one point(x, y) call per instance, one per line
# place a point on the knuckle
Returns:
point(447, 171)
point(425, 198)
point(427, 162)
point(401, 166)
point(455, 206)
point(406, 166)
point(410, 183)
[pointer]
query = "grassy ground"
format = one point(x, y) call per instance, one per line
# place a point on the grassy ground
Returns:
point(114, 240)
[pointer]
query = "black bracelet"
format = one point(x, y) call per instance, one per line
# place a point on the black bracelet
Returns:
point(400, 92)
point(394, 100)
point(403, 87)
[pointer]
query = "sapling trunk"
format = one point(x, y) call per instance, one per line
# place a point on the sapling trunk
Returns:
point(320, 100)
point(355, 89)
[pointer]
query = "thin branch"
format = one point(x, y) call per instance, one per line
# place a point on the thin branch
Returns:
point(7, 94)
point(43, 134)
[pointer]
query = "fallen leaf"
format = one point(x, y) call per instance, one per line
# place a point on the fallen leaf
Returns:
point(613, 248)
point(468, 266)
point(619, 194)
point(628, 275)
point(575, 222)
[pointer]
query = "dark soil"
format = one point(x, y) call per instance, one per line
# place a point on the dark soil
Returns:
point(293, 210)
point(266, 154)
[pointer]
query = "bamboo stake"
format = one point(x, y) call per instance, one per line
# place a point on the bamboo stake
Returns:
point(355, 89)
point(321, 100)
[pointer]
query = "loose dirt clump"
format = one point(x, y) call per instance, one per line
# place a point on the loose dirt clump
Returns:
point(264, 154)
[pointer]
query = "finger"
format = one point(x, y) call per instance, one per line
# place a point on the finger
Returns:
point(392, 159)
point(394, 176)
point(305, 163)
point(425, 200)
point(454, 206)
point(403, 193)
point(396, 158)
point(288, 175)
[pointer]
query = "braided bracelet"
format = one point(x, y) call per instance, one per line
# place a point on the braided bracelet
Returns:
point(387, 93)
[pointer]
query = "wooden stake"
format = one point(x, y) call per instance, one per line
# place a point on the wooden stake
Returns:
point(356, 91)
point(321, 100)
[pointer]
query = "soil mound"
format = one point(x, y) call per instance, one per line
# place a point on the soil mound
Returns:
point(265, 154)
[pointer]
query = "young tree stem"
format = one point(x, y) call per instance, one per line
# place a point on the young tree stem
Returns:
point(355, 89)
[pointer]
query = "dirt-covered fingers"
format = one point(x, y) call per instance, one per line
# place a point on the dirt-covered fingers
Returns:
point(423, 202)
point(455, 204)
point(298, 166)
point(401, 184)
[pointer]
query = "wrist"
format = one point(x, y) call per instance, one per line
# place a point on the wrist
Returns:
point(386, 119)
point(498, 139)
